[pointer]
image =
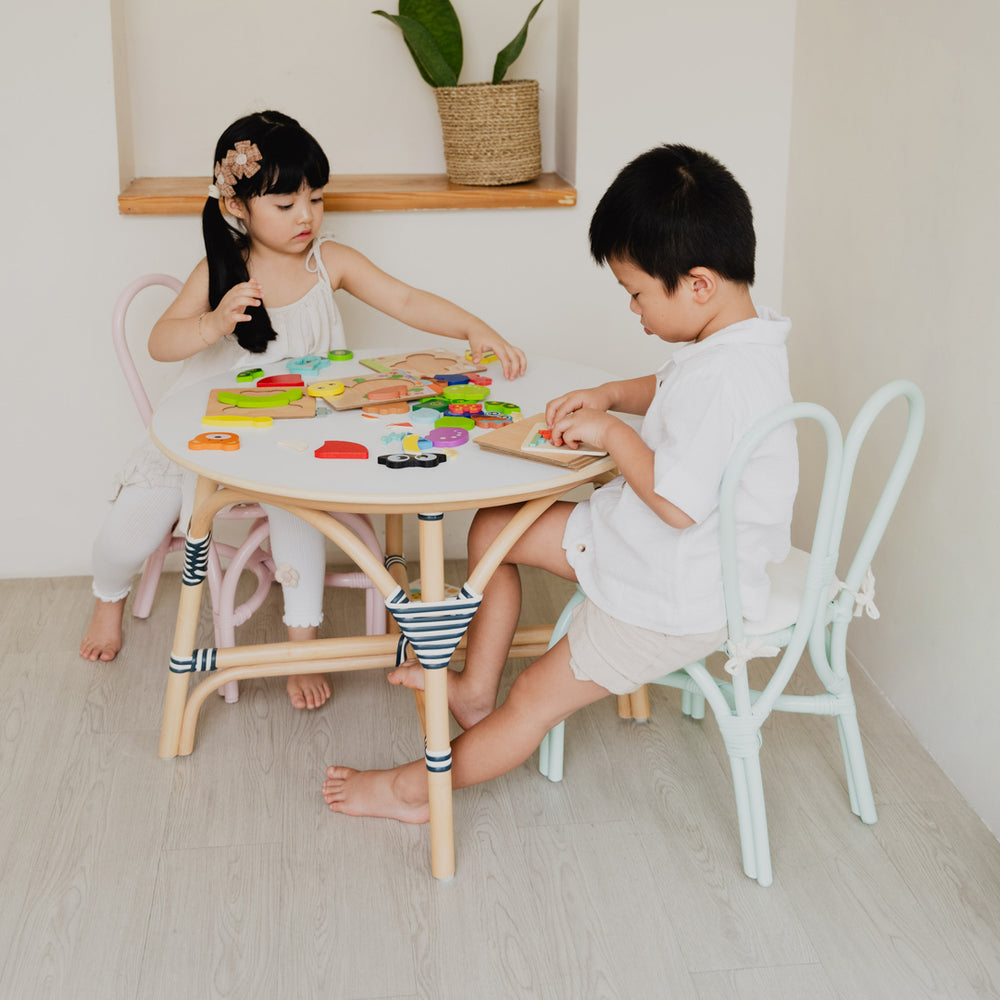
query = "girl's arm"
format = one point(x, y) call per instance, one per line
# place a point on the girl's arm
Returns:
point(189, 326)
point(357, 275)
point(582, 416)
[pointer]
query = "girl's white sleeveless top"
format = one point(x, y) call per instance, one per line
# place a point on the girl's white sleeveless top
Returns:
point(311, 325)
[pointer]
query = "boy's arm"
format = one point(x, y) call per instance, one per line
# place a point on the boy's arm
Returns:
point(357, 275)
point(626, 396)
point(634, 458)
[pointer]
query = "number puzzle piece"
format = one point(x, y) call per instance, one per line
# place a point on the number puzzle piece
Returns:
point(215, 441)
point(341, 449)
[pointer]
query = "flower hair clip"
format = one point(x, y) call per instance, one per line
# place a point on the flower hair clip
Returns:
point(243, 161)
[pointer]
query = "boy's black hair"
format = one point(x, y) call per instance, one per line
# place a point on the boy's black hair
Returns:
point(289, 156)
point(672, 209)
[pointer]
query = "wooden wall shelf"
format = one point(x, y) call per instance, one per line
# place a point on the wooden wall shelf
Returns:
point(359, 193)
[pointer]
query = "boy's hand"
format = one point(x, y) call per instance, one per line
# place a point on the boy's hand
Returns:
point(511, 358)
point(562, 406)
point(583, 426)
point(232, 309)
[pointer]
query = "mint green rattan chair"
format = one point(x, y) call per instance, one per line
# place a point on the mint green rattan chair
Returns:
point(809, 608)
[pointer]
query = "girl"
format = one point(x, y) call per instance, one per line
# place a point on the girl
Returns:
point(263, 293)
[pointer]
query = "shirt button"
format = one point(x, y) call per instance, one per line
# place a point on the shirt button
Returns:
point(581, 547)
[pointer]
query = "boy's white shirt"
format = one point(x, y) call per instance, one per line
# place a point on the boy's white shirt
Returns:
point(642, 571)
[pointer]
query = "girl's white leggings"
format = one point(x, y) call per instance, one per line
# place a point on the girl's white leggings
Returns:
point(141, 516)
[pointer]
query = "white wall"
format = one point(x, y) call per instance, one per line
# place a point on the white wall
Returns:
point(891, 270)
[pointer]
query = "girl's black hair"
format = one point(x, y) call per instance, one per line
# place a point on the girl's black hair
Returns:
point(289, 156)
point(672, 209)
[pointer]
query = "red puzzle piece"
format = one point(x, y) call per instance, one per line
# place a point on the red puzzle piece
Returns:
point(341, 449)
point(283, 380)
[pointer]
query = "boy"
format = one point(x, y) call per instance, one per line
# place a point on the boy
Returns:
point(676, 230)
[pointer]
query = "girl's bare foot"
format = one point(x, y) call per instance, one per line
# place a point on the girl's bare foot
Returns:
point(103, 638)
point(376, 793)
point(467, 707)
point(307, 690)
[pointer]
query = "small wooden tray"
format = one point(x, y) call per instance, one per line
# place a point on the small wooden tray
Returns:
point(424, 364)
point(510, 439)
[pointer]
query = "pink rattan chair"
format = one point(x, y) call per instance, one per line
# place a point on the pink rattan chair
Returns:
point(250, 555)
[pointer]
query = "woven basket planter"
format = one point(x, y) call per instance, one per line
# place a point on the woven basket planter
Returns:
point(490, 132)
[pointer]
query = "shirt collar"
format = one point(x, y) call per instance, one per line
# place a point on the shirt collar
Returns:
point(767, 329)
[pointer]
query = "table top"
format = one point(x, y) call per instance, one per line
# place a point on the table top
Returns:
point(474, 478)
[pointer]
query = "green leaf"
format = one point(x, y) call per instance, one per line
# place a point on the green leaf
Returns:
point(510, 52)
point(433, 66)
point(440, 19)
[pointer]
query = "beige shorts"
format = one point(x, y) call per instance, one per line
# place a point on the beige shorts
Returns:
point(622, 657)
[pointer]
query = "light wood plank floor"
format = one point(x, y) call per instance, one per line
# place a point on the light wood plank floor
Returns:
point(223, 874)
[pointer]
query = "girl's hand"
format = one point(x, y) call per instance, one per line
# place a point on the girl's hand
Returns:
point(562, 406)
point(511, 358)
point(583, 426)
point(222, 320)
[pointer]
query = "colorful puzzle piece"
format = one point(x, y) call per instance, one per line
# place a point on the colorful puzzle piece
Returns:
point(215, 441)
point(282, 380)
point(236, 420)
point(448, 437)
point(340, 354)
point(260, 402)
point(307, 363)
point(250, 374)
point(424, 460)
point(341, 449)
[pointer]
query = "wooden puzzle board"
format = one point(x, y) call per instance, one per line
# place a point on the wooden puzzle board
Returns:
point(509, 439)
point(357, 390)
point(304, 407)
point(424, 364)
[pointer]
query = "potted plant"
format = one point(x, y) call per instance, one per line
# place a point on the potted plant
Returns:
point(490, 130)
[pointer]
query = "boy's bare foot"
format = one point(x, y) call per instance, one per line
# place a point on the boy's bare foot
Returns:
point(103, 638)
point(373, 793)
point(467, 709)
point(307, 690)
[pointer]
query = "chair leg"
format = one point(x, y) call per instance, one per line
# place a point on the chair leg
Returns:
point(858, 783)
point(142, 605)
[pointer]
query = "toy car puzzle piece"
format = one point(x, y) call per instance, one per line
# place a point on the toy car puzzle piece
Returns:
point(341, 449)
point(423, 460)
point(215, 441)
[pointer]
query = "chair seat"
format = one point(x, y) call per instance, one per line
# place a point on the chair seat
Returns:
point(788, 583)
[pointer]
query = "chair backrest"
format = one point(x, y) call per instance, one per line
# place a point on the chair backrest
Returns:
point(125, 359)
point(815, 607)
point(848, 603)
point(822, 557)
